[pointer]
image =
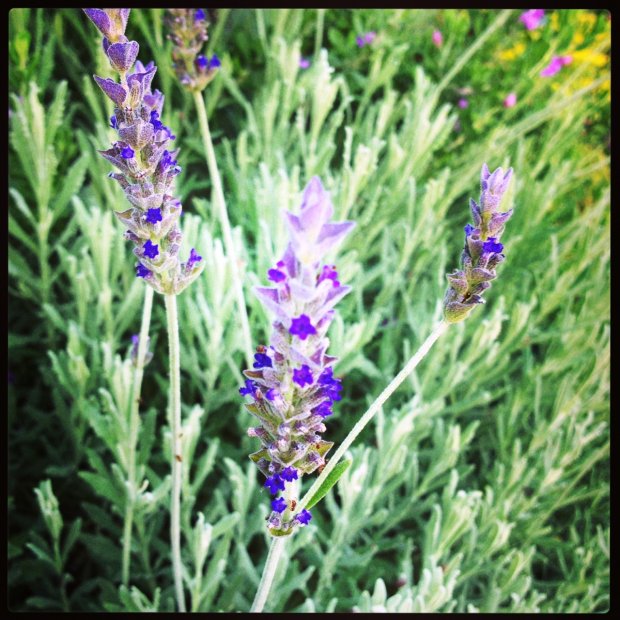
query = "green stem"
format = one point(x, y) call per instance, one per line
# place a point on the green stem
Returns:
point(318, 37)
point(134, 420)
point(409, 367)
point(175, 427)
point(220, 204)
point(464, 59)
point(222, 16)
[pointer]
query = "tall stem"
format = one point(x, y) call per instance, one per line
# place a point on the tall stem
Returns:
point(409, 367)
point(277, 544)
point(133, 431)
point(175, 426)
point(220, 204)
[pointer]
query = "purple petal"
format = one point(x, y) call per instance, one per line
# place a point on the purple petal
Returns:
point(270, 299)
point(332, 234)
point(123, 55)
point(114, 91)
point(100, 19)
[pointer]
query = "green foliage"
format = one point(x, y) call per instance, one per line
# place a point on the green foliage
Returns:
point(483, 484)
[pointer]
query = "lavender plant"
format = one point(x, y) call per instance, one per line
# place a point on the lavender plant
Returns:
point(278, 439)
point(147, 167)
point(292, 383)
point(482, 251)
point(147, 173)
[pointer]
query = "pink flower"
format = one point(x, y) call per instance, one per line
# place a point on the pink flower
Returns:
point(511, 100)
point(531, 19)
point(463, 103)
point(437, 38)
point(557, 62)
point(304, 63)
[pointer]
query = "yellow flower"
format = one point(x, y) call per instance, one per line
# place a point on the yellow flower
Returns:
point(578, 39)
point(513, 52)
point(591, 57)
point(586, 18)
point(554, 21)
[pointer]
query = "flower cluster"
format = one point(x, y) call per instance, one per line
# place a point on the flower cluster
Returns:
point(147, 167)
point(482, 251)
point(188, 32)
point(532, 19)
point(556, 64)
point(292, 385)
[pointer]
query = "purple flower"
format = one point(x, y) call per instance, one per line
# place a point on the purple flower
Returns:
point(304, 63)
point(532, 19)
point(279, 505)
point(153, 216)
point(142, 271)
point(302, 327)
point(557, 62)
point(289, 474)
point(324, 409)
point(482, 251)
point(199, 15)
point(274, 484)
point(304, 517)
point(303, 376)
point(329, 273)
point(275, 275)
point(491, 245)
point(437, 38)
point(193, 259)
point(302, 306)
point(511, 100)
point(366, 39)
point(127, 153)
point(463, 103)
point(113, 122)
point(201, 62)
point(215, 62)
point(249, 389)
point(150, 250)
point(262, 361)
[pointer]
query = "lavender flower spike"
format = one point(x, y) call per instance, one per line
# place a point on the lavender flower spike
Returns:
point(146, 166)
point(292, 385)
point(482, 251)
point(188, 33)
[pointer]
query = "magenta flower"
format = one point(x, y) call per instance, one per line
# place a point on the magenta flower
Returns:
point(366, 39)
point(532, 19)
point(463, 103)
point(557, 62)
point(437, 38)
point(510, 100)
point(304, 63)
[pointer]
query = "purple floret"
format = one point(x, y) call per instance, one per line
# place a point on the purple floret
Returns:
point(304, 517)
point(492, 245)
point(274, 484)
point(302, 327)
point(150, 250)
point(279, 505)
point(303, 376)
point(262, 361)
point(153, 216)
